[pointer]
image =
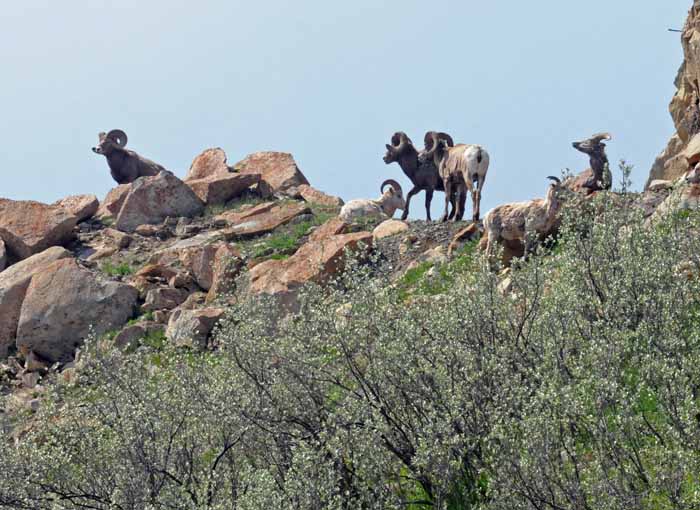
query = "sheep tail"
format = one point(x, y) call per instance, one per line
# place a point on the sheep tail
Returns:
point(479, 156)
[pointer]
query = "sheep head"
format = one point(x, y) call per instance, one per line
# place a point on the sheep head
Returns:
point(693, 176)
point(436, 144)
point(109, 142)
point(592, 144)
point(392, 198)
point(399, 143)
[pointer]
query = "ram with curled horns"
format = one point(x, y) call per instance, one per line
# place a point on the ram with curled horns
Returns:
point(125, 165)
point(462, 168)
point(423, 175)
point(381, 208)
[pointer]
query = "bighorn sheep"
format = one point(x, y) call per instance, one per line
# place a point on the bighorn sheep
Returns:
point(595, 148)
point(424, 176)
point(522, 221)
point(125, 165)
point(382, 208)
point(461, 168)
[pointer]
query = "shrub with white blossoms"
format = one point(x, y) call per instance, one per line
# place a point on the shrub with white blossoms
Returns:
point(577, 390)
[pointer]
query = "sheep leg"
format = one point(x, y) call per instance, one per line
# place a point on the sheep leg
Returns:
point(476, 196)
point(428, 201)
point(448, 198)
point(453, 203)
point(491, 240)
point(461, 200)
point(413, 191)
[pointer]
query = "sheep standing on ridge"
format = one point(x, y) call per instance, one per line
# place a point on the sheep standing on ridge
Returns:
point(601, 178)
point(462, 167)
point(423, 175)
point(125, 165)
point(523, 221)
point(382, 208)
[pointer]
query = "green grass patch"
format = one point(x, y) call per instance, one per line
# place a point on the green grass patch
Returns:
point(121, 269)
point(420, 280)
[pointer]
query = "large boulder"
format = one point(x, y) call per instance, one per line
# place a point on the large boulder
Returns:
point(164, 298)
point(278, 170)
point(219, 189)
point(13, 287)
point(683, 198)
point(211, 162)
point(191, 328)
point(83, 207)
point(112, 204)
point(152, 199)
point(389, 228)
point(332, 227)
point(29, 227)
point(314, 196)
point(261, 219)
point(313, 262)
point(64, 304)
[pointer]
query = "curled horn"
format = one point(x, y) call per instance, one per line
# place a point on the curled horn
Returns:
point(393, 184)
point(118, 136)
point(431, 142)
point(599, 137)
point(447, 138)
point(399, 140)
point(557, 180)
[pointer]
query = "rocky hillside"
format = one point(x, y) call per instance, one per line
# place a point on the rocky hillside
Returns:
point(683, 150)
point(161, 258)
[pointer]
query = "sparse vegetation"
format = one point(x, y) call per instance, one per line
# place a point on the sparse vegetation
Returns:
point(576, 390)
point(121, 269)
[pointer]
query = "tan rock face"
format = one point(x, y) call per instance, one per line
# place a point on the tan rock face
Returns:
point(192, 327)
point(113, 202)
point(686, 197)
point(83, 207)
point(220, 188)
point(209, 163)
point(151, 199)
point(164, 298)
point(332, 227)
point(64, 303)
point(314, 196)
point(313, 262)
point(685, 110)
point(389, 228)
point(13, 287)
point(261, 219)
point(3, 256)
point(278, 170)
point(29, 227)
point(226, 267)
point(199, 261)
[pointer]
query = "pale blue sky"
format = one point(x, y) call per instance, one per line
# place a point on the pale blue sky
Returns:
point(330, 82)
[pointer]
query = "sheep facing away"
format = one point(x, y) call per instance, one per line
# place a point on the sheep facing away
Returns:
point(125, 165)
point(423, 175)
point(523, 222)
point(382, 208)
point(462, 168)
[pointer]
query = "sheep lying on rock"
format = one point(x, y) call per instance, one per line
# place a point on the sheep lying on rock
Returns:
point(382, 208)
point(125, 165)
